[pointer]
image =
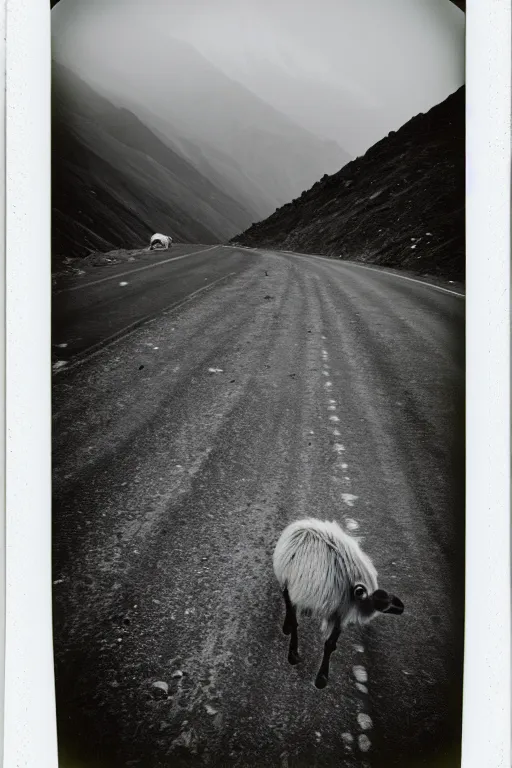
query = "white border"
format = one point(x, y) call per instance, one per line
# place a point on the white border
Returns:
point(29, 714)
point(2, 362)
point(29, 720)
point(487, 680)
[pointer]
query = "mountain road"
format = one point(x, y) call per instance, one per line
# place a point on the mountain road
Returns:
point(203, 398)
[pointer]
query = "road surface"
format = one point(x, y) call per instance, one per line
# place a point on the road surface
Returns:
point(286, 386)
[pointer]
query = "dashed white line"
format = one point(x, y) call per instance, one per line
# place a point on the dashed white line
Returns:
point(364, 721)
point(360, 673)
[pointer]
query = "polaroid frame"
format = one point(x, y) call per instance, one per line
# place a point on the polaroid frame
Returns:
point(30, 737)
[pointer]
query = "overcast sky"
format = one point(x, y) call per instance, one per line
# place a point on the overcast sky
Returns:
point(349, 70)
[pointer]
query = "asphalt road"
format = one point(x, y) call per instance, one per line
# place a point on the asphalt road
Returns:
point(292, 386)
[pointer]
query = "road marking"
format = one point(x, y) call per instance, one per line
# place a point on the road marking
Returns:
point(95, 349)
point(132, 271)
point(364, 721)
point(411, 279)
point(342, 263)
point(360, 673)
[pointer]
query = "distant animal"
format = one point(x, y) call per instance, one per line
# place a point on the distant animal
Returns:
point(160, 242)
point(324, 573)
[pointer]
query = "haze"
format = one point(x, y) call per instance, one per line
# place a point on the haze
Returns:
point(346, 71)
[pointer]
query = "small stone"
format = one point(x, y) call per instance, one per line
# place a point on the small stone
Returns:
point(160, 689)
point(178, 673)
point(210, 710)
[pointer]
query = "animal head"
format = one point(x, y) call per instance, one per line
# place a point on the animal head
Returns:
point(379, 601)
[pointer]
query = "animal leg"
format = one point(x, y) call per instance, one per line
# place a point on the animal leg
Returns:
point(329, 646)
point(290, 628)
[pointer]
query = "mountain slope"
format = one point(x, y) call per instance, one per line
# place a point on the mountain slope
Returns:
point(155, 75)
point(401, 204)
point(114, 182)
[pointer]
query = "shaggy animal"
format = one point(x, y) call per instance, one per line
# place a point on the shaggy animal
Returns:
point(324, 573)
point(160, 242)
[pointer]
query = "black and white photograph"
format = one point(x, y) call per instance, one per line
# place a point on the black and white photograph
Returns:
point(258, 270)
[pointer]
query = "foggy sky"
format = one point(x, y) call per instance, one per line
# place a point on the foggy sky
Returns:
point(348, 70)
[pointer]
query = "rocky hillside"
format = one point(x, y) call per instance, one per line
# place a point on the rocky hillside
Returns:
point(400, 205)
point(115, 183)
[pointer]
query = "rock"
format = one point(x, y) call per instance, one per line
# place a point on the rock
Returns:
point(178, 673)
point(160, 689)
point(210, 710)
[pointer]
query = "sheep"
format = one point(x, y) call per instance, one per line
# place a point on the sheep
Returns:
point(323, 572)
point(160, 241)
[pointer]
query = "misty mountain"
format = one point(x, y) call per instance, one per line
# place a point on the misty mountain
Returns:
point(114, 182)
point(263, 156)
point(401, 204)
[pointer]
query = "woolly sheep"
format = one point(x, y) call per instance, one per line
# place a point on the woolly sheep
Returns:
point(323, 572)
point(160, 241)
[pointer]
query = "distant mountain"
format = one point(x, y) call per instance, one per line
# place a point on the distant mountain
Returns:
point(260, 155)
point(114, 182)
point(401, 205)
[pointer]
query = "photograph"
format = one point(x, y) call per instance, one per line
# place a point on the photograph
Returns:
point(258, 350)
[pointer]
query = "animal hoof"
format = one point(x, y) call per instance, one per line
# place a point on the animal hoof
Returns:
point(293, 658)
point(321, 681)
